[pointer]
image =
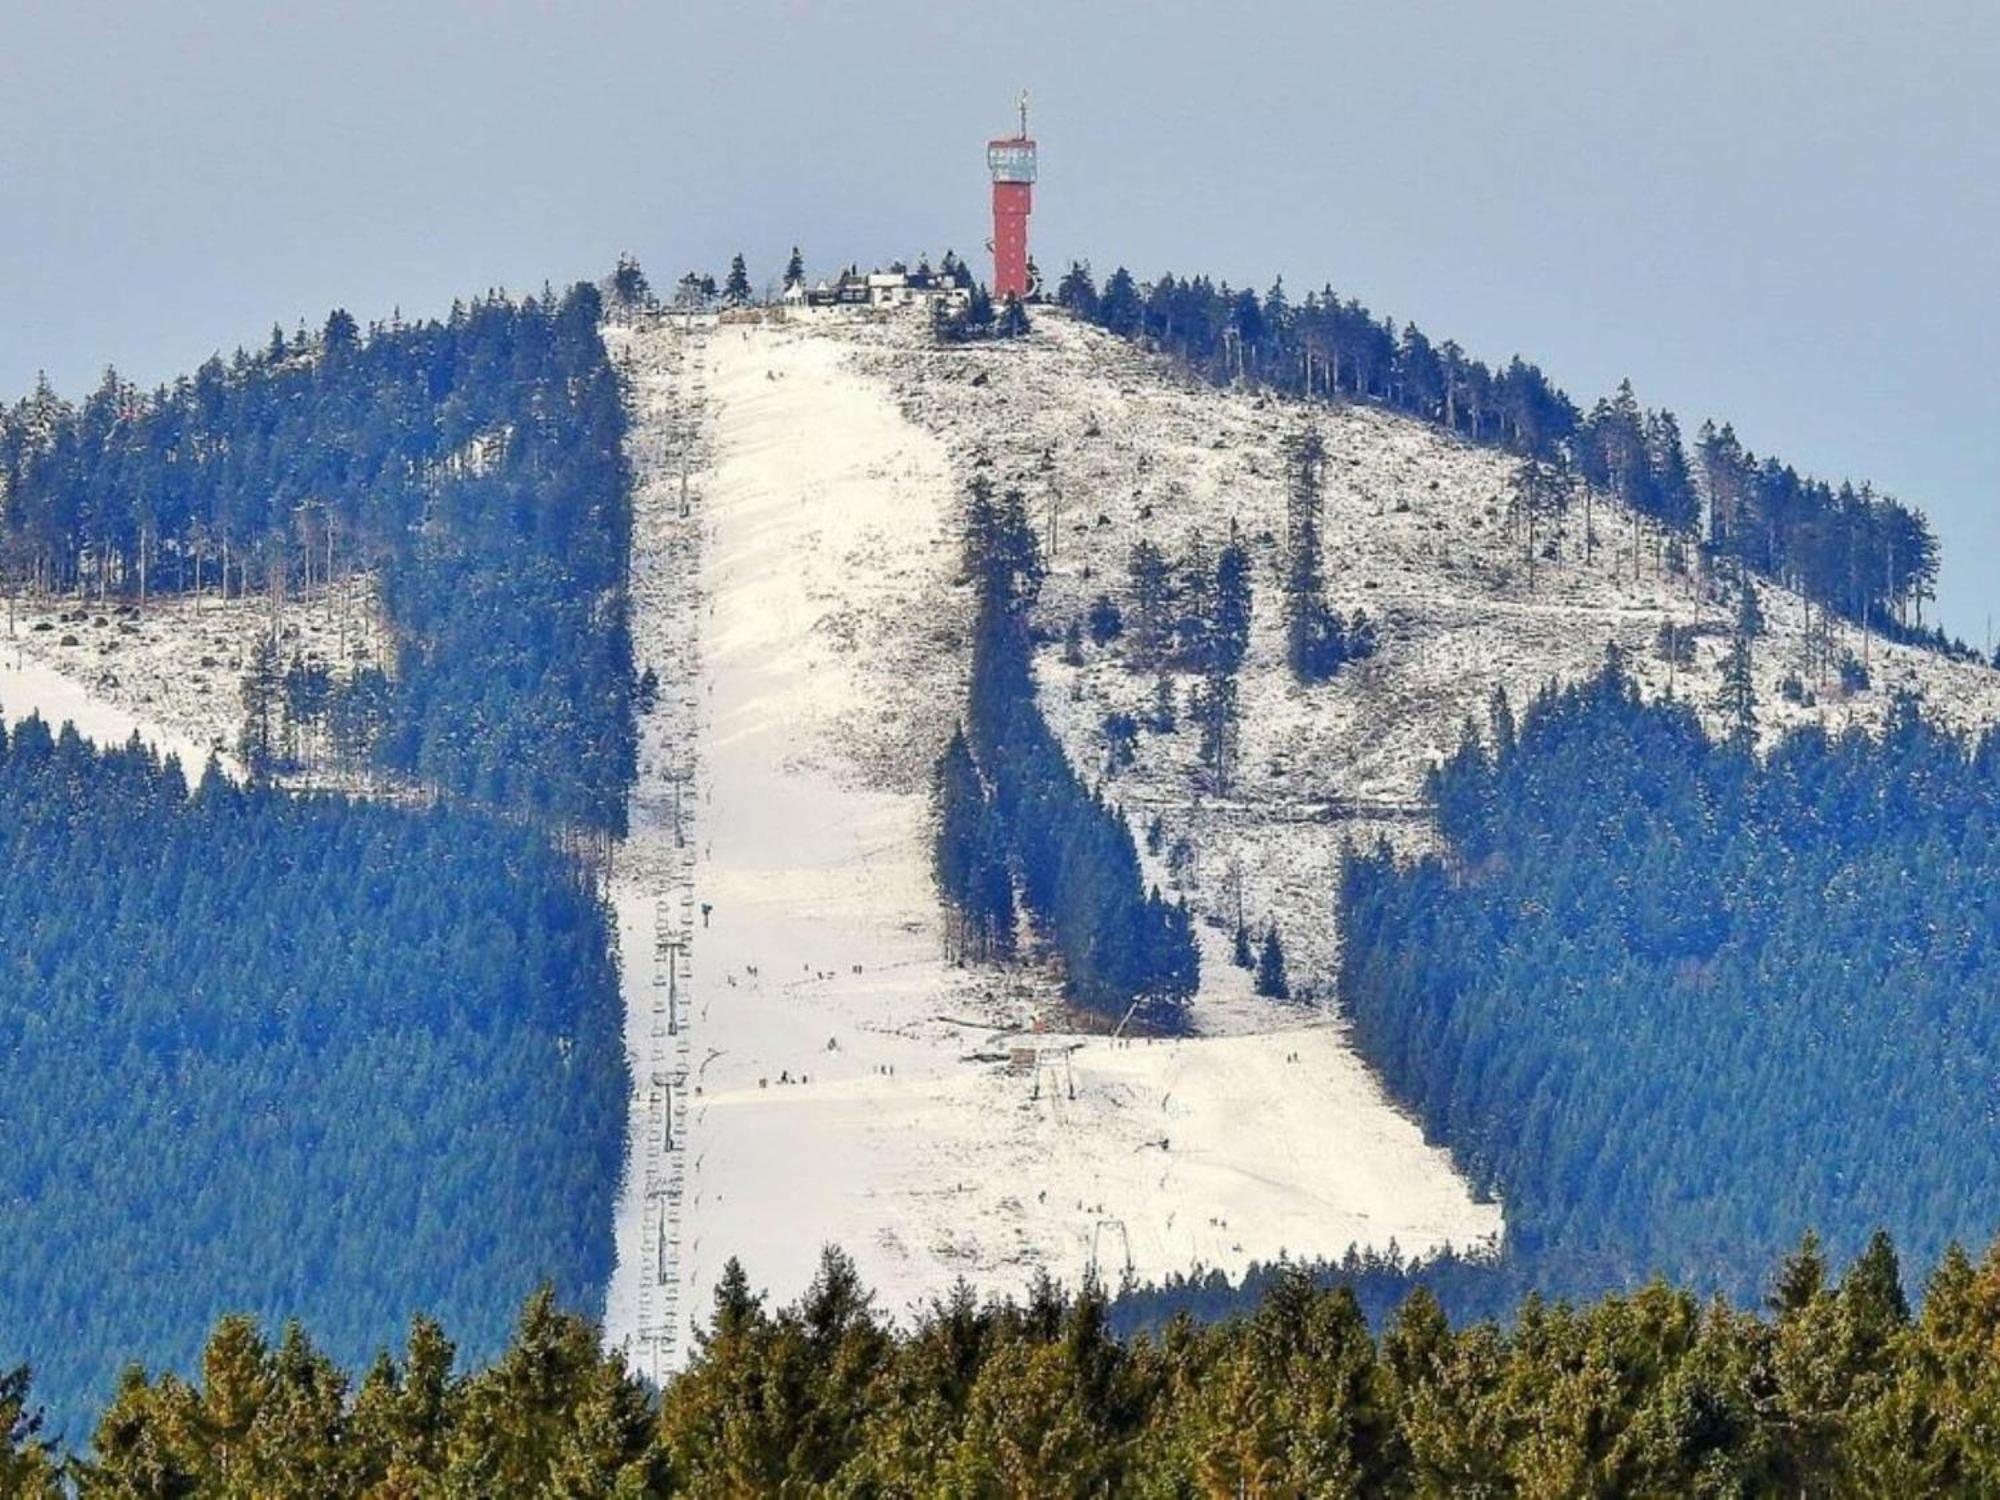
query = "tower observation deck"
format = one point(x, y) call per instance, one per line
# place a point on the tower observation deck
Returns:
point(1011, 161)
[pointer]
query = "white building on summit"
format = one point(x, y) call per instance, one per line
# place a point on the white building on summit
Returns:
point(897, 286)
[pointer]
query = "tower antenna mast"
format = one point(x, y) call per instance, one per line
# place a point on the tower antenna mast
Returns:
point(1024, 114)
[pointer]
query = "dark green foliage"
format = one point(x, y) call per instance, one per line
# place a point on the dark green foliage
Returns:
point(1107, 622)
point(1648, 1392)
point(970, 858)
point(1853, 674)
point(261, 705)
point(1675, 643)
point(1150, 591)
point(292, 1055)
point(1071, 853)
point(736, 286)
point(1749, 611)
point(1675, 1004)
point(1229, 639)
point(28, 1464)
point(975, 320)
point(1181, 613)
point(1217, 716)
point(1736, 698)
point(554, 1414)
point(477, 464)
point(629, 284)
point(1318, 641)
point(1859, 552)
point(1271, 982)
point(1077, 292)
point(1121, 740)
point(1013, 320)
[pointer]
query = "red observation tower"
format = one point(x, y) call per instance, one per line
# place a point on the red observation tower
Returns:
point(1011, 160)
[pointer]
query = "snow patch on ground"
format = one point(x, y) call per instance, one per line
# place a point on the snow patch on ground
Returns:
point(174, 670)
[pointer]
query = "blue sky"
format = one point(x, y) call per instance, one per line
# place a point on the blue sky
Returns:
point(1777, 211)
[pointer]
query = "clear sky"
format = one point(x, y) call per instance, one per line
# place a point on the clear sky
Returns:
point(1779, 211)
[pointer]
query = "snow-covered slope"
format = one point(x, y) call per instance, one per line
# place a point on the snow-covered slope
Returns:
point(827, 1078)
point(807, 1069)
point(173, 672)
point(1415, 534)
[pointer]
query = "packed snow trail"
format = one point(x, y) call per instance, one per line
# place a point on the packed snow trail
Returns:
point(844, 1085)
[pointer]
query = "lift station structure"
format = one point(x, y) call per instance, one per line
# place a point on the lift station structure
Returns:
point(1011, 161)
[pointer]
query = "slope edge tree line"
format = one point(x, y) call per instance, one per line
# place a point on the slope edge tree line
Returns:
point(1860, 553)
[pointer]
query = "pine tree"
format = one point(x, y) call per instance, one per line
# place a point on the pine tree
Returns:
point(1736, 701)
point(28, 1468)
point(1801, 1278)
point(736, 288)
point(1313, 649)
point(1749, 612)
point(1120, 308)
point(263, 687)
point(1150, 590)
point(628, 282)
point(1271, 981)
point(1232, 605)
point(1216, 714)
point(795, 269)
point(1078, 292)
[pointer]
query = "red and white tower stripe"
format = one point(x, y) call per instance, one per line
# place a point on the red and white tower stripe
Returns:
point(1011, 160)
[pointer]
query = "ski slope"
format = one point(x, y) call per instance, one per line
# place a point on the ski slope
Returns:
point(843, 1085)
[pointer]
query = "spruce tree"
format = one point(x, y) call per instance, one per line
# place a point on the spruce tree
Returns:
point(1801, 1278)
point(1232, 605)
point(736, 288)
point(1749, 612)
point(628, 282)
point(1271, 981)
point(1736, 701)
point(1078, 292)
point(1150, 589)
point(263, 687)
point(959, 857)
point(1120, 309)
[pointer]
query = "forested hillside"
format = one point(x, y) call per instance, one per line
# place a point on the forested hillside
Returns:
point(1842, 1389)
point(1847, 547)
point(475, 463)
point(299, 1056)
point(1676, 1003)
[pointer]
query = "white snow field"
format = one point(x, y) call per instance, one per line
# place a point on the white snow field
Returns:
point(828, 1078)
point(29, 686)
point(173, 672)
